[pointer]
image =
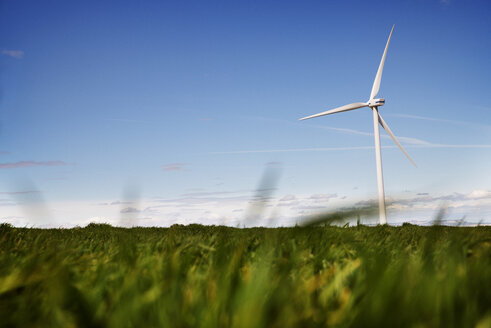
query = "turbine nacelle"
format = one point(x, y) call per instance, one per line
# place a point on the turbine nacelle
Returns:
point(376, 102)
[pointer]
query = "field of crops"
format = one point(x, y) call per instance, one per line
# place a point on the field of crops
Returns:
point(208, 276)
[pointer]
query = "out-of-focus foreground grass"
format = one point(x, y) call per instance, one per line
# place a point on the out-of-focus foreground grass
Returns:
point(187, 276)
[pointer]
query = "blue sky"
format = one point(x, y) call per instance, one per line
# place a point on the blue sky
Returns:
point(172, 111)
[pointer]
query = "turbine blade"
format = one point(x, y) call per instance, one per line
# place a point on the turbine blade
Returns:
point(378, 77)
point(389, 132)
point(337, 110)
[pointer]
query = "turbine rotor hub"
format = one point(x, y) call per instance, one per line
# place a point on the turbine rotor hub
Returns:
point(376, 102)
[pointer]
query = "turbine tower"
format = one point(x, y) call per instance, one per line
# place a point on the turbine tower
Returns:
point(374, 104)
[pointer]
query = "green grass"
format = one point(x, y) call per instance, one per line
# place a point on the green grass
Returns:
point(198, 276)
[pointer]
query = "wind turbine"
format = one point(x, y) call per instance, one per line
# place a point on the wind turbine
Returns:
point(374, 103)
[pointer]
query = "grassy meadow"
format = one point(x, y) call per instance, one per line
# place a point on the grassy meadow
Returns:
point(215, 276)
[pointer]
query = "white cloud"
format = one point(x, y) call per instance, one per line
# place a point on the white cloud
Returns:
point(173, 166)
point(425, 118)
point(479, 194)
point(130, 210)
point(19, 192)
point(22, 164)
point(288, 198)
point(473, 199)
point(409, 142)
point(414, 143)
point(17, 54)
point(294, 150)
point(323, 197)
point(310, 207)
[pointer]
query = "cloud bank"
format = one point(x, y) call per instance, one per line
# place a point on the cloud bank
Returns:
point(232, 208)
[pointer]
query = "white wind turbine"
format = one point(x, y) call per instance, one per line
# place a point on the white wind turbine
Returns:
point(374, 104)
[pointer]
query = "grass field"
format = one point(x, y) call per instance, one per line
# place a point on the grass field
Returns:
point(207, 276)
